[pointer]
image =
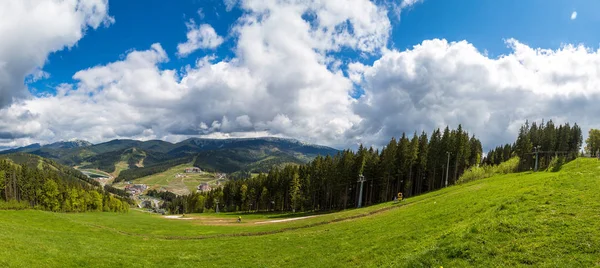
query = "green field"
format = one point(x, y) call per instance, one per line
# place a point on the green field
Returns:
point(537, 220)
point(169, 181)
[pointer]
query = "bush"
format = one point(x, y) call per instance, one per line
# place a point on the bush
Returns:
point(510, 166)
point(482, 172)
point(14, 205)
point(476, 173)
point(556, 164)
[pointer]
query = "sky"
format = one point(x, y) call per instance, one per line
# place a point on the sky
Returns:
point(335, 72)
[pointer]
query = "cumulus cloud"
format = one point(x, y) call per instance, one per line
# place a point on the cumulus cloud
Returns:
point(438, 83)
point(286, 79)
point(574, 15)
point(279, 83)
point(32, 29)
point(201, 36)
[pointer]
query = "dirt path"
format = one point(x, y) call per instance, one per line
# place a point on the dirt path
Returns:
point(282, 230)
point(231, 221)
point(284, 220)
point(177, 217)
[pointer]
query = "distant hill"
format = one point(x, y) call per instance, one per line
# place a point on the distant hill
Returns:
point(28, 148)
point(69, 144)
point(144, 157)
point(37, 182)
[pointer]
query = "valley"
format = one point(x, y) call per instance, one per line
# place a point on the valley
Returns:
point(157, 163)
point(532, 219)
point(299, 133)
point(177, 180)
point(214, 155)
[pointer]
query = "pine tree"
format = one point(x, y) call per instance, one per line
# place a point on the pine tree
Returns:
point(295, 192)
point(422, 163)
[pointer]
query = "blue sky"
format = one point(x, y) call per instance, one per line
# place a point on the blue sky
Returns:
point(538, 23)
point(338, 72)
point(139, 24)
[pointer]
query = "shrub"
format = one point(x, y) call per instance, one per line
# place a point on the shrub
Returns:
point(14, 205)
point(556, 164)
point(510, 166)
point(482, 172)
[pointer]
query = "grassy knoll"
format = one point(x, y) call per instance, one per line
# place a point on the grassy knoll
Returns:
point(168, 180)
point(539, 220)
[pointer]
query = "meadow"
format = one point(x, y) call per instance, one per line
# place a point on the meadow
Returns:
point(541, 219)
point(169, 181)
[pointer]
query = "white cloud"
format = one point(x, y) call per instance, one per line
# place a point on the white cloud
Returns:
point(199, 37)
point(574, 15)
point(36, 75)
point(438, 83)
point(32, 29)
point(409, 3)
point(229, 4)
point(285, 80)
point(278, 83)
point(397, 6)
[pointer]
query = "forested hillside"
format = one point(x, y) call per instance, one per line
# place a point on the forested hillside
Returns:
point(412, 165)
point(43, 184)
point(546, 140)
point(141, 158)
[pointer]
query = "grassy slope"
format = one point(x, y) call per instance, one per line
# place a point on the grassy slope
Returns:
point(167, 179)
point(120, 166)
point(543, 220)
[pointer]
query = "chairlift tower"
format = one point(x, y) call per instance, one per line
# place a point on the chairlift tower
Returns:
point(537, 150)
point(447, 169)
point(361, 179)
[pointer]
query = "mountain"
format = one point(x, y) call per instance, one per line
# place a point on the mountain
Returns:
point(68, 144)
point(28, 148)
point(143, 157)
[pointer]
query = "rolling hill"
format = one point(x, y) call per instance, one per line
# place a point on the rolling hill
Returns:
point(541, 219)
point(31, 181)
point(222, 155)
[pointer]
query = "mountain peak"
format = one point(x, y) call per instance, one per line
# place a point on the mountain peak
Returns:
point(75, 143)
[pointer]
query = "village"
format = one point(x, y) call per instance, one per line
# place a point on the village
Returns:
point(212, 180)
point(204, 186)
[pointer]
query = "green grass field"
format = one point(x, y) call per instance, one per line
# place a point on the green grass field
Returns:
point(536, 220)
point(169, 181)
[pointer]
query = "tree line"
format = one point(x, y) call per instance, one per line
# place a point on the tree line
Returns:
point(411, 165)
point(549, 141)
point(55, 188)
point(592, 143)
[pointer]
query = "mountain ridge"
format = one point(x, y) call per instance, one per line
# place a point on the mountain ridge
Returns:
point(225, 155)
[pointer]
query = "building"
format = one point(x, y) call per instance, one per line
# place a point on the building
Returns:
point(204, 187)
point(135, 189)
point(193, 170)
